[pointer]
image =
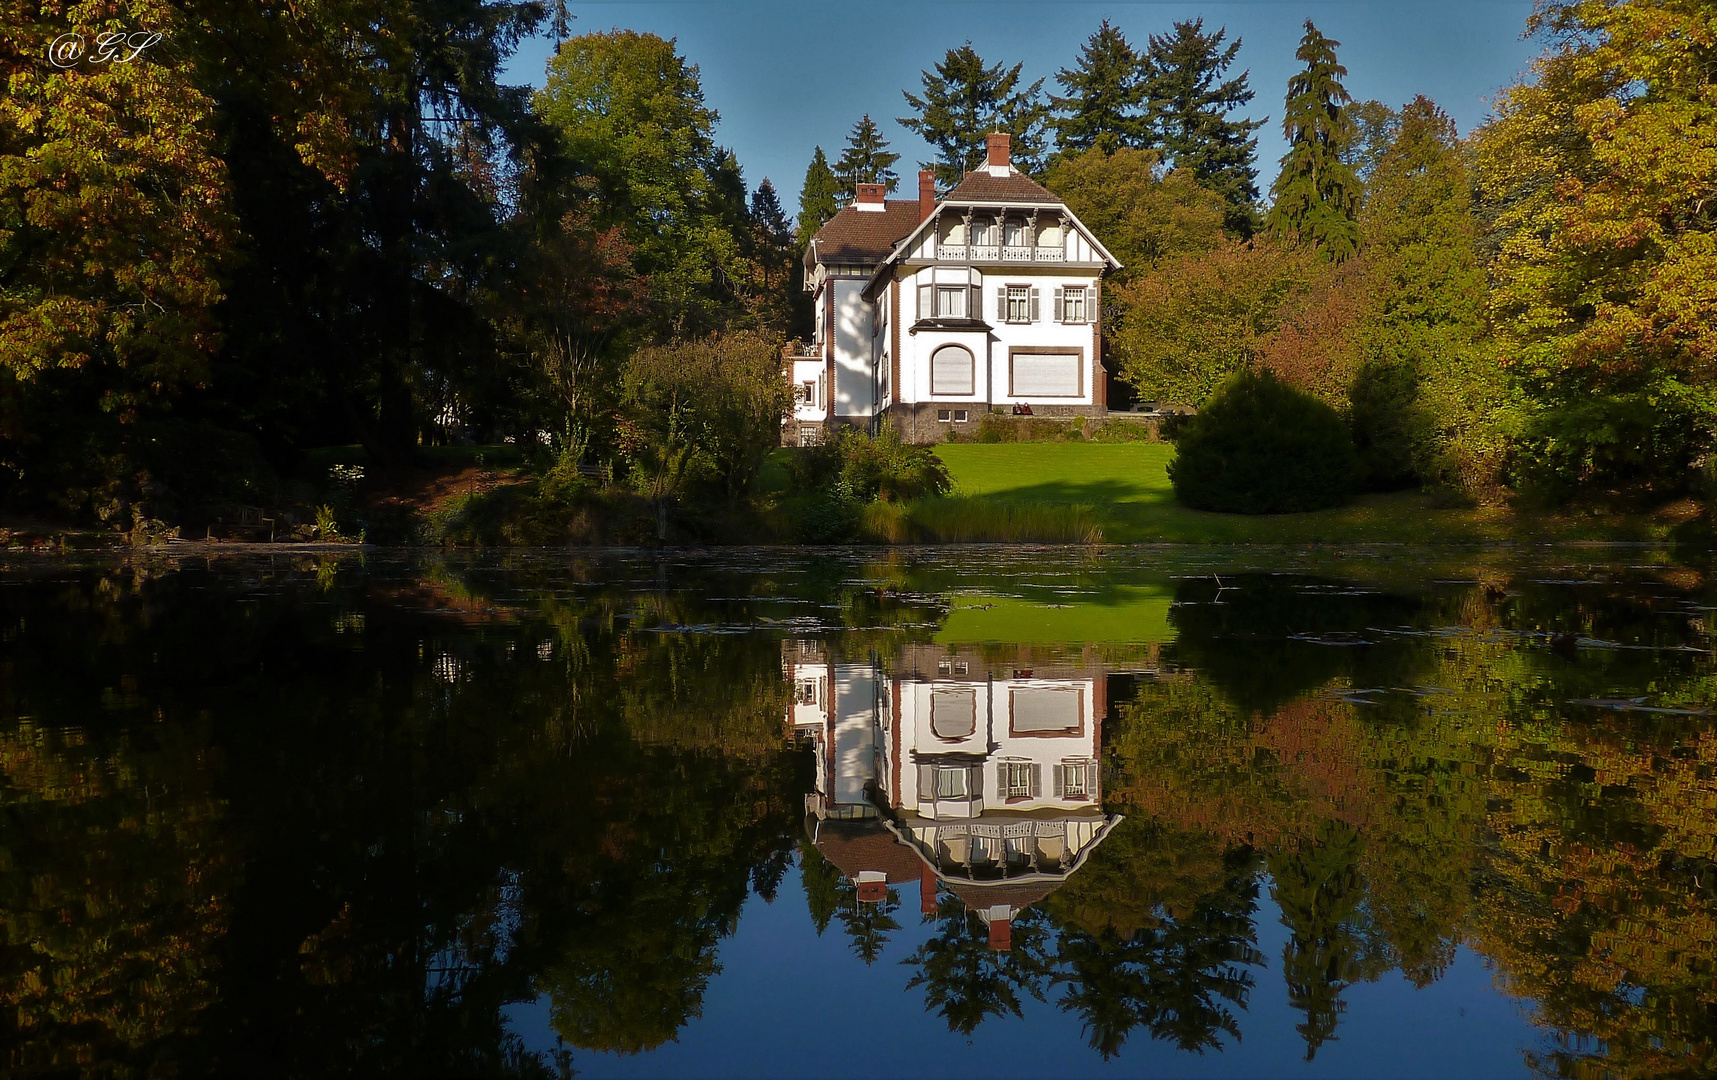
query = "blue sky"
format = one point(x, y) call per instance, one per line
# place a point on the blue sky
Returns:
point(786, 77)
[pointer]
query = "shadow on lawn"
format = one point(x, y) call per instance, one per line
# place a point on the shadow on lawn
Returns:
point(1094, 493)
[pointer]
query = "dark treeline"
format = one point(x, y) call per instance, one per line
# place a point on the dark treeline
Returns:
point(291, 226)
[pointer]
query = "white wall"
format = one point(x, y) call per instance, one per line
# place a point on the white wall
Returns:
point(856, 745)
point(811, 371)
point(992, 350)
point(854, 390)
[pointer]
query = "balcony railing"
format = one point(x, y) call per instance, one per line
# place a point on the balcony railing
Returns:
point(802, 350)
point(998, 253)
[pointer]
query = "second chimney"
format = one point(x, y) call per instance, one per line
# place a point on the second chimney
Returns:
point(869, 197)
point(926, 193)
point(997, 145)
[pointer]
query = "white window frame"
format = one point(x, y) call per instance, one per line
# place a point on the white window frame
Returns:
point(1018, 780)
point(1071, 297)
point(1016, 300)
point(950, 783)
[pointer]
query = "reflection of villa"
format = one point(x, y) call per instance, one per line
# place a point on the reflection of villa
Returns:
point(978, 774)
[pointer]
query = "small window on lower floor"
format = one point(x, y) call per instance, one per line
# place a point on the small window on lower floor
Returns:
point(960, 416)
point(810, 436)
point(942, 416)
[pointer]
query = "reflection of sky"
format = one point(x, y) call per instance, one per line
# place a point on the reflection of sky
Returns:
point(790, 1003)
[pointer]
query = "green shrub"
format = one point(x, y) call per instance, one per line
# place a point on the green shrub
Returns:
point(1262, 447)
point(865, 467)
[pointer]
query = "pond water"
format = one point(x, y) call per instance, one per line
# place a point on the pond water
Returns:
point(1001, 812)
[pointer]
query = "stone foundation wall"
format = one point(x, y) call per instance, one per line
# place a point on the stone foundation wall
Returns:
point(918, 424)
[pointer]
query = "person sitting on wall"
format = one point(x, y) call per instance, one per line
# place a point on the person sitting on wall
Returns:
point(1022, 409)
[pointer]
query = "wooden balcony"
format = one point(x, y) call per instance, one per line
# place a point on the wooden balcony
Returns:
point(1002, 253)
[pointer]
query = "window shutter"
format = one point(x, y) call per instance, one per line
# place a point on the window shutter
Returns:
point(1036, 781)
point(1034, 315)
point(1060, 309)
point(1002, 780)
point(975, 301)
point(975, 778)
point(926, 783)
point(926, 302)
point(1002, 304)
point(1055, 774)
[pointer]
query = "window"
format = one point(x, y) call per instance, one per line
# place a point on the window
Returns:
point(952, 371)
point(943, 416)
point(960, 665)
point(805, 394)
point(1045, 375)
point(1013, 234)
point(1018, 304)
point(944, 667)
point(953, 713)
point(1045, 710)
point(950, 302)
point(810, 436)
point(807, 693)
point(1017, 776)
point(1072, 780)
point(950, 783)
point(1071, 303)
point(960, 417)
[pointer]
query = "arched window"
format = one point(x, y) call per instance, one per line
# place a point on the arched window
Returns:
point(952, 371)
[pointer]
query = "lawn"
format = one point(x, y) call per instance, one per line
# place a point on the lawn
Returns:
point(1127, 489)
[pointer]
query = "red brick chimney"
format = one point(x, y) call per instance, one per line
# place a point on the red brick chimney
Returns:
point(869, 197)
point(996, 143)
point(927, 891)
point(926, 193)
point(1002, 930)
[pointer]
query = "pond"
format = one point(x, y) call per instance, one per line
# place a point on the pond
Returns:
point(999, 812)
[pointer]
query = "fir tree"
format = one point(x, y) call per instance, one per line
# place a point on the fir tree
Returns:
point(1104, 106)
point(818, 199)
point(1189, 101)
point(767, 217)
point(964, 101)
point(1317, 194)
point(866, 159)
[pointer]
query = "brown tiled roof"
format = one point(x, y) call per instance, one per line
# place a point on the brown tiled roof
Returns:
point(867, 845)
point(854, 236)
point(979, 186)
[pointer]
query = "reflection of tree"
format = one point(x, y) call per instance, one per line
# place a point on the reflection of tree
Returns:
point(821, 880)
point(867, 924)
point(1177, 979)
point(1320, 892)
point(965, 980)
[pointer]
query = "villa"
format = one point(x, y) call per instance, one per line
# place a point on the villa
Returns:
point(931, 313)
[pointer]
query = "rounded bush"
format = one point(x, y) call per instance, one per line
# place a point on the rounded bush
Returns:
point(1259, 446)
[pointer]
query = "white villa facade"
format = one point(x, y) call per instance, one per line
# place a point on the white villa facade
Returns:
point(955, 772)
point(931, 313)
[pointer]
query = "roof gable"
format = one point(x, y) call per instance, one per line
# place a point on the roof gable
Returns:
point(863, 236)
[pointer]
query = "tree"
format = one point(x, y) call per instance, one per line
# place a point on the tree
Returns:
point(819, 198)
point(1374, 128)
point(1425, 402)
point(115, 218)
point(1142, 219)
point(1103, 108)
point(631, 112)
point(1595, 181)
point(1189, 102)
point(1316, 194)
point(703, 414)
point(1197, 318)
point(964, 101)
point(866, 159)
point(777, 301)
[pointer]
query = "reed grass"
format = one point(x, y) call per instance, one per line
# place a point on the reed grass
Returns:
point(959, 520)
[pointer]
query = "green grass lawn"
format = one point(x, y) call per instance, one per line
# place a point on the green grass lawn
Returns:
point(1127, 488)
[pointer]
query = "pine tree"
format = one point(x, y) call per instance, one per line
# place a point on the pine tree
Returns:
point(964, 101)
point(1317, 194)
point(818, 199)
point(767, 216)
point(1189, 101)
point(1104, 106)
point(866, 159)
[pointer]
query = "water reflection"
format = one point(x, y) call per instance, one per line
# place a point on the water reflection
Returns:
point(305, 820)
